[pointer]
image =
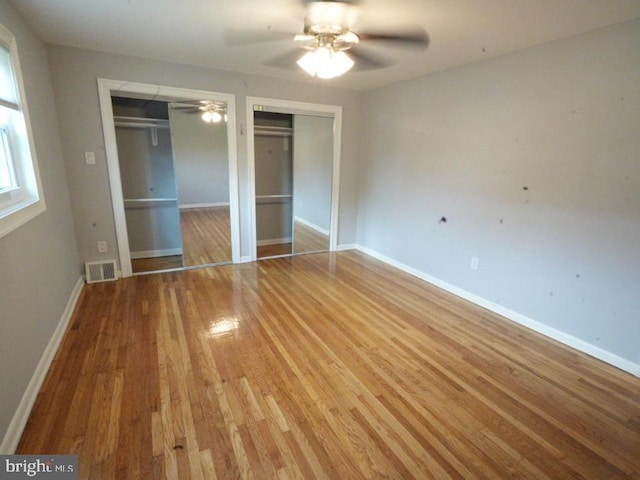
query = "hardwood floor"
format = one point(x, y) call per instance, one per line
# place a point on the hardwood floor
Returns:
point(323, 366)
point(206, 235)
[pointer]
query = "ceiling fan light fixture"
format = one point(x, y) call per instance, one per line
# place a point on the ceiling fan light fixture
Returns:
point(325, 62)
point(213, 114)
point(207, 116)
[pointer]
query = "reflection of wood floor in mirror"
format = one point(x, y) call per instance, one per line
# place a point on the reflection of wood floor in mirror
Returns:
point(206, 235)
point(154, 264)
point(308, 239)
point(274, 250)
point(206, 239)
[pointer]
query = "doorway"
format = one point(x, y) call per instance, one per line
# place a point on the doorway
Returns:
point(173, 176)
point(294, 153)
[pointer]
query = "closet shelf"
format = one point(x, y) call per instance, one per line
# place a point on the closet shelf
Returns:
point(268, 131)
point(140, 122)
point(263, 199)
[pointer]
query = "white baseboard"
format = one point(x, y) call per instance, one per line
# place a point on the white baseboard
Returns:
point(187, 206)
point(347, 246)
point(246, 259)
point(312, 226)
point(156, 253)
point(21, 415)
point(273, 241)
point(539, 327)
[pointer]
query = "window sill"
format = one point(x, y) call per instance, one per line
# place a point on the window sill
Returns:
point(18, 215)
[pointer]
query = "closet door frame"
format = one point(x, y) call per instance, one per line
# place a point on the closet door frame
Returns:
point(107, 88)
point(302, 108)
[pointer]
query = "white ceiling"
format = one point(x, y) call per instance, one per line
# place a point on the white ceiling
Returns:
point(191, 31)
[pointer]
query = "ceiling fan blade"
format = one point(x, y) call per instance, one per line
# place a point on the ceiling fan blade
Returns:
point(186, 108)
point(416, 38)
point(238, 38)
point(365, 61)
point(287, 60)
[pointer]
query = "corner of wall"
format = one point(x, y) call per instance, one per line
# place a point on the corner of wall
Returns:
point(19, 421)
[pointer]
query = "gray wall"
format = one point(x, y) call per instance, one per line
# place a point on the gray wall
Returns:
point(39, 261)
point(74, 74)
point(312, 169)
point(532, 158)
point(201, 159)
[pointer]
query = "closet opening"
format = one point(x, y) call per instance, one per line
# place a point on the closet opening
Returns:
point(273, 135)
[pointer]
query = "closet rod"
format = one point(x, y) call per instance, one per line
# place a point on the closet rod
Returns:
point(270, 197)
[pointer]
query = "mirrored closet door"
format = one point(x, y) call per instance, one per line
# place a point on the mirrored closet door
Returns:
point(313, 171)
point(293, 166)
point(174, 172)
point(201, 153)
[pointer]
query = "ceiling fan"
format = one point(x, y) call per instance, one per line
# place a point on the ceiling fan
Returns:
point(332, 47)
point(211, 111)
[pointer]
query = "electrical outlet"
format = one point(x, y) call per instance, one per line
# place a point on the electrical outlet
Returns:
point(102, 246)
point(90, 158)
point(474, 263)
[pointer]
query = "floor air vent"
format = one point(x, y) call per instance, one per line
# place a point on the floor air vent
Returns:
point(100, 271)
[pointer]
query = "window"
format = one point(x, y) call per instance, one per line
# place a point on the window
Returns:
point(20, 189)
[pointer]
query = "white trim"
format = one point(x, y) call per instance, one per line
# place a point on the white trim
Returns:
point(168, 252)
point(312, 226)
point(246, 259)
point(288, 106)
point(346, 246)
point(273, 241)
point(188, 206)
point(21, 415)
point(539, 327)
point(105, 89)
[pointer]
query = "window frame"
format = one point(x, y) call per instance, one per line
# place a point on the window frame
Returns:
point(6, 158)
point(24, 199)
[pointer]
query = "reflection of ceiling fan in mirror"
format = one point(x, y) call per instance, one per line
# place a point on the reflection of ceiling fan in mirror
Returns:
point(211, 111)
point(332, 47)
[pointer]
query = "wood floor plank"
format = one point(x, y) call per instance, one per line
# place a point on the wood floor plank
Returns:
point(323, 366)
point(206, 235)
